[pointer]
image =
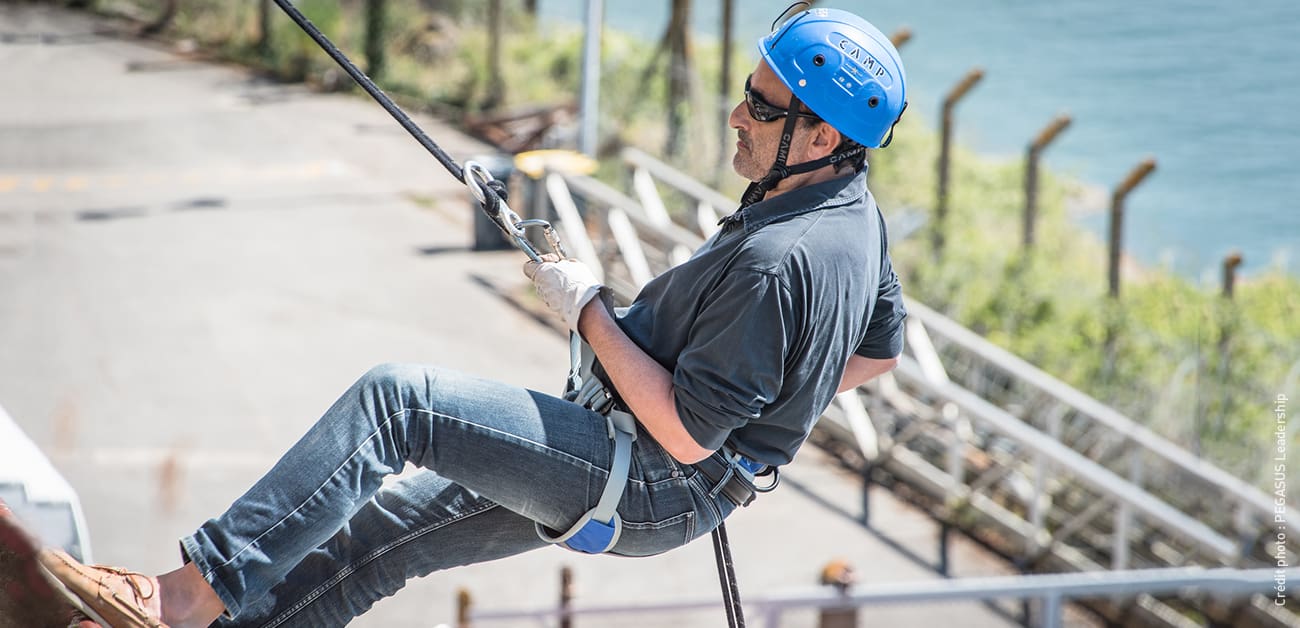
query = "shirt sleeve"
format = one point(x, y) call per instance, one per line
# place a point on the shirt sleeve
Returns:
point(734, 361)
point(884, 337)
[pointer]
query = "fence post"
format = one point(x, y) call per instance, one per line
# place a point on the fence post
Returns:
point(1036, 148)
point(1228, 323)
point(464, 603)
point(566, 597)
point(725, 98)
point(1036, 514)
point(1230, 264)
point(839, 574)
point(264, 30)
point(1119, 559)
point(161, 22)
point(589, 109)
point(1052, 610)
point(1136, 176)
point(866, 493)
point(945, 531)
point(945, 149)
point(900, 37)
point(495, 83)
point(375, 22)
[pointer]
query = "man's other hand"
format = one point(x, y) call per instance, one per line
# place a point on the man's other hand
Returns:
point(565, 285)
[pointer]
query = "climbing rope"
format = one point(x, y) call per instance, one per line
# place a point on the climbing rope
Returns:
point(727, 577)
point(490, 192)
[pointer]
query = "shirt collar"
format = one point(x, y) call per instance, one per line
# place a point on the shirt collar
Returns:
point(836, 192)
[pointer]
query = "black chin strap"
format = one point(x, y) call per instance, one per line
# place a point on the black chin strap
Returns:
point(759, 189)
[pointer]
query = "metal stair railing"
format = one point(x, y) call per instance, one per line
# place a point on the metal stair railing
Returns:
point(999, 446)
point(1224, 502)
point(1052, 590)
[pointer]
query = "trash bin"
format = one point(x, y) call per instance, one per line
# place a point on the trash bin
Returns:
point(487, 235)
point(533, 165)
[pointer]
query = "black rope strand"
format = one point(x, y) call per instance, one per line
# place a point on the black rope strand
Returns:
point(722, 579)
point(372, 89)
point(727, 577)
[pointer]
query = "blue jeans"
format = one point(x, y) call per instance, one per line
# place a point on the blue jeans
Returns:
point(316, 541)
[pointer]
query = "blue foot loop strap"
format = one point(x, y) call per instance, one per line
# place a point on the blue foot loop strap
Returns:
point(598, 529)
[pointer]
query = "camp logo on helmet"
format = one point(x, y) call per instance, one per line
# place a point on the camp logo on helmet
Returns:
point(856, 53)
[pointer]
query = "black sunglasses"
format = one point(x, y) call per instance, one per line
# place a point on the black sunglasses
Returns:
point(764, 111)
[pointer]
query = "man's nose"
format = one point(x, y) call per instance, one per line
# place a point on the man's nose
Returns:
point(739, 118)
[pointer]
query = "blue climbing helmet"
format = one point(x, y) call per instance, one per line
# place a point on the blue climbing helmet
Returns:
point(844, 69)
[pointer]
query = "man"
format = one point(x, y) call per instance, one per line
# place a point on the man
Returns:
point(726, 362)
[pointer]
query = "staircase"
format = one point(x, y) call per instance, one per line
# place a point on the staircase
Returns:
point(1053, 479)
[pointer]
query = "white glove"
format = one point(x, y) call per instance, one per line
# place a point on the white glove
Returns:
point(565, 285)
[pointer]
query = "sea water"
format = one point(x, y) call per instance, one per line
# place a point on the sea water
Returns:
point(1209, 88)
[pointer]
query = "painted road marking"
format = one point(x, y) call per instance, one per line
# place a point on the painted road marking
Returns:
point(46, 182)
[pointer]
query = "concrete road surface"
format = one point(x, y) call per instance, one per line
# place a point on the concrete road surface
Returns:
point(194, 262)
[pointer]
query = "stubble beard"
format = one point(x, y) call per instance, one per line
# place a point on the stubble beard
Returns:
point(744, 162)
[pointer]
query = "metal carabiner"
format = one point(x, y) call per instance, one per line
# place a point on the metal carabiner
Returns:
point(552, 237)
point(476, 179)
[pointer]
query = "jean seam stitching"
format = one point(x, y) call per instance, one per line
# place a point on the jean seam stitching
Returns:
point(658, 524)
point(353, 567)
point(547, 449)
point(387, 421)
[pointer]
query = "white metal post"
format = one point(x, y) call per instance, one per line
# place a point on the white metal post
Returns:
point(591, 77)
point(1051, 610)
point(1124, 514)
point(1036, 502)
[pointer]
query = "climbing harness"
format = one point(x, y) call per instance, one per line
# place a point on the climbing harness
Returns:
point(598, 529)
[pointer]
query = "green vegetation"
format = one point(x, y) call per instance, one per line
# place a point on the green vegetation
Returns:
point(1196, 367)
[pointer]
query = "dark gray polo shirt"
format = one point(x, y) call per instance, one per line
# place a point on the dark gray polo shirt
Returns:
point(757, 326)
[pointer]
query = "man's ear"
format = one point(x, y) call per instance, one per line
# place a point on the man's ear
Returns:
point(825, 140)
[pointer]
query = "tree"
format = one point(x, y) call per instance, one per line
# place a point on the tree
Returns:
point(677, 38)
point(496, 84)
point(375, 37)
point(725, 91)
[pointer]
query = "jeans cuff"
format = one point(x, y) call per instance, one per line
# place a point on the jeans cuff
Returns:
point(192, 552)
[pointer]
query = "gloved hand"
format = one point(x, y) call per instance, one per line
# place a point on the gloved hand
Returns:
point(565, 285)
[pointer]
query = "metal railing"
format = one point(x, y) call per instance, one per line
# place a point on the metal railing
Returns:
point(1051, 590)
point(1222, 502)
point(1065, 482)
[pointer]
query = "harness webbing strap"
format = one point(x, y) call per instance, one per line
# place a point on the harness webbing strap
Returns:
point(598, 529)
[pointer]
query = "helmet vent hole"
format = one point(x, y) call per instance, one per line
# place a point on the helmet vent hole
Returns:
point(873, 101)
point(819, 60)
